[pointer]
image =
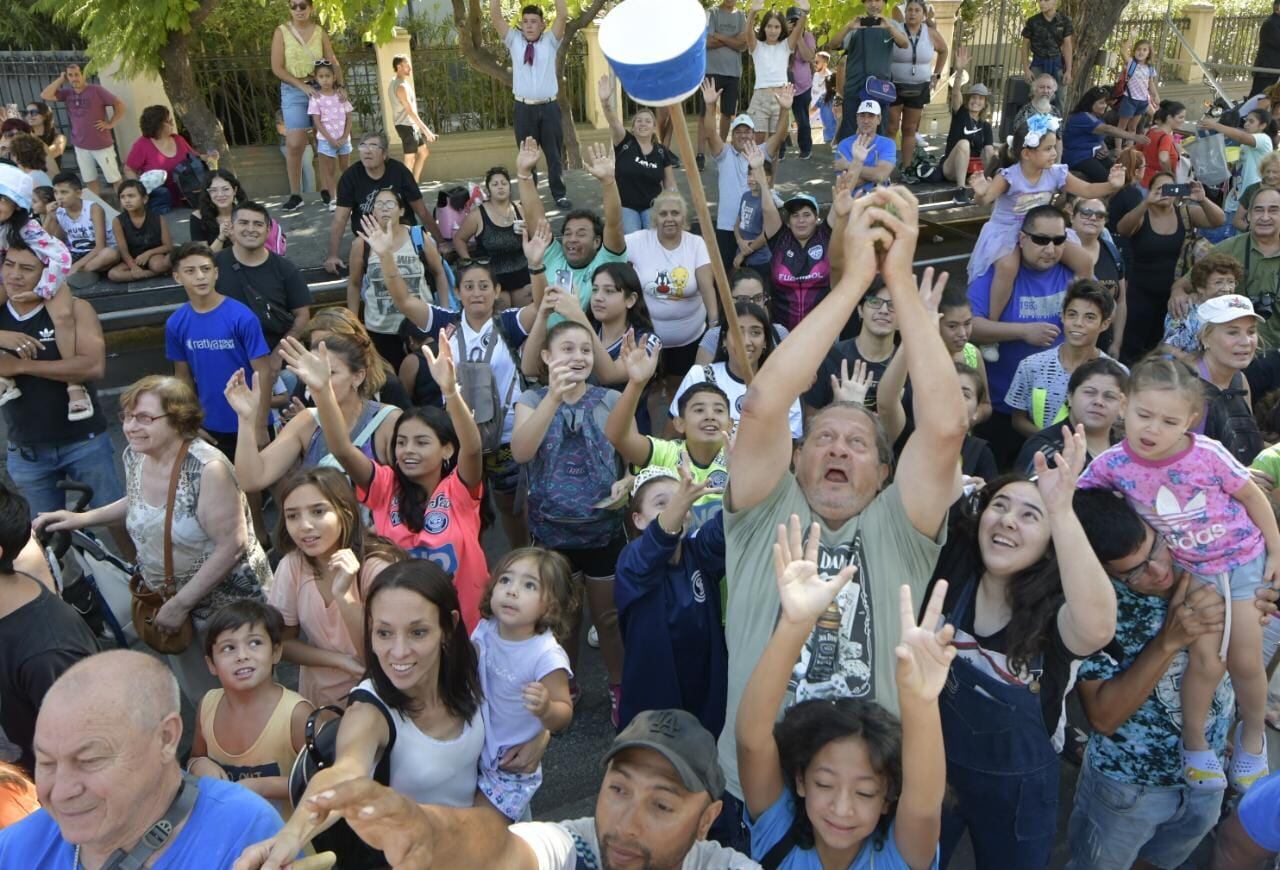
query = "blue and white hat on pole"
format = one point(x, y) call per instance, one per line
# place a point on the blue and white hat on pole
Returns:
point(15, 185)
point(657, 48)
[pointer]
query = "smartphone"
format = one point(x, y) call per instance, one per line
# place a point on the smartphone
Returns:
point(564, 278)
point(871, 21)
point(1175, 190)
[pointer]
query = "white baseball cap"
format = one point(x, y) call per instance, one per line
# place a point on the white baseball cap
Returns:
point(1224, 309)
point(869, 107)
point(743, 120)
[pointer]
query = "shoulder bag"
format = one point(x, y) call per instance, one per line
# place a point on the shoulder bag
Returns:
point(147, 601)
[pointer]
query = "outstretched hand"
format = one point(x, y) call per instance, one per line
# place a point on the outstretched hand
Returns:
point(710, 93)
point(527, 158)
point(311, 366)
point(536, 241)
point(804, 593)
point(1057, 484)
point(852, 388)
point(599, 161)
point(244, 400)
point(640, 361)
point(924, 654)
point(379, 240)
point(931, 288)
point(440, 364)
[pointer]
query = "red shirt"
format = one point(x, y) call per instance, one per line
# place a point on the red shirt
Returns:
point(1160, 141)
point(145, 156)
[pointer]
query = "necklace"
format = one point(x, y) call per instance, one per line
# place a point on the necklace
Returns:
point(76, 864)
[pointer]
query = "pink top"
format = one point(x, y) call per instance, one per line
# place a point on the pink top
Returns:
point(450, 533)
point(294, 594)
point(145, 156)
point(1187, 498)
point(332, 110)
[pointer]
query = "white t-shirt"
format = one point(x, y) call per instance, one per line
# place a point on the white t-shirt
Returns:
point(556, 846)
point(506, 667)
point(505, 374)
point(735, 389)
point(771, 63)
point(670, 282)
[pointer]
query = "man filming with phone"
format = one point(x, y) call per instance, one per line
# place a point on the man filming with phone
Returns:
point(867, 43)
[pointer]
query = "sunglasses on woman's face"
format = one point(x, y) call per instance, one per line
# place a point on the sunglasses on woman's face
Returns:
point(298, 7)
point(31, 111)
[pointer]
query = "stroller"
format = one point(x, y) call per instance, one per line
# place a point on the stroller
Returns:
point(90, 578)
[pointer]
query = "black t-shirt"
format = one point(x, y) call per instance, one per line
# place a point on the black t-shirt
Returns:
point(1123, 201)
point(819, 395)
point(39, 415)
point(356, 190)
point(277, 280)
point(961, 565)
point(976, 458)
point(38, 641)
point(639, 175)
point(1263, 374)
point(964, 127)
point(1049, 442)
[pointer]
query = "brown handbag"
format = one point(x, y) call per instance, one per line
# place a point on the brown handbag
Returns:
point(147, 601)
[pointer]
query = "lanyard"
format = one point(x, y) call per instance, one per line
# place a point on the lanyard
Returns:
point(914, 44)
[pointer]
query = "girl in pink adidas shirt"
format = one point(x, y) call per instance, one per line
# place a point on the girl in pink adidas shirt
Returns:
point(1219, 527)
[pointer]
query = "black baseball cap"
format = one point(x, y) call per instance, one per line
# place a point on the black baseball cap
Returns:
point(794, 12)
point(679, 737)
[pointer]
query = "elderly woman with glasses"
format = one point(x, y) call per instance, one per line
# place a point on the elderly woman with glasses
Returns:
point(214, 558)
point(296, 45)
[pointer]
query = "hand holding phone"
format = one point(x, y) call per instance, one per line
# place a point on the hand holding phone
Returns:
point(1175, 190)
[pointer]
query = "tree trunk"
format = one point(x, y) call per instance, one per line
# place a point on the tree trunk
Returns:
point(1094, 21)
point(572, 148)
point(180, 85)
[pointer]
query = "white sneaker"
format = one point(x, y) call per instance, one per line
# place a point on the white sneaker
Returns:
point(593, 638)
point(333, 205)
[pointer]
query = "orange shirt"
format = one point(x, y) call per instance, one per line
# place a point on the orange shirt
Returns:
point(450, 533)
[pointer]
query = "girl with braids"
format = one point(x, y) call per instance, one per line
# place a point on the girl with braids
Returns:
point(1024, 620)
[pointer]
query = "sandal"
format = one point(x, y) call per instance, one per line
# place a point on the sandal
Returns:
point(1247, 768)
point(1202, 770)
point(9, 390)
point(78, 409)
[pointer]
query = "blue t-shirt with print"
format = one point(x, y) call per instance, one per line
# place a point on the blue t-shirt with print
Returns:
point(226, 819)
point(1144, 750)
point(882, 150)
point(751, 225)
point(1037, 298)
point(214, 344)
point(774, 823)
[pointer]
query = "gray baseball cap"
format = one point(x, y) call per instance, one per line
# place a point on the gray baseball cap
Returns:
point(980, 90)
point(679, 737)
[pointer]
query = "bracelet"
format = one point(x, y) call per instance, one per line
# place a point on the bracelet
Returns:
point(448, 396)
point(537, 270)
point(524, 177)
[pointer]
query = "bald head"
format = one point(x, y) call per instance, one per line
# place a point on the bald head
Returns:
point(120, 684)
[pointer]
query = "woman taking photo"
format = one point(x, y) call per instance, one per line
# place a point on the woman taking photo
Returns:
point(1095, 400)
point(296, 45)
point(40, 118)
point(1228, 344)
point(330, 561)
point(496, 229)
point(159, 147)
point(1023, 620)
point(215, 560)
point(1156, 229)
point(915, 68)
point(645, 167)
point(1089, 220)
point(1084, 147)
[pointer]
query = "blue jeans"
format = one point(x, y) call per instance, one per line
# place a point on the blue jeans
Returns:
point(1114, 823)
point(828, 114)
point(36, 471)
point(1050, 65)
point(633, 220)
point(729, 829)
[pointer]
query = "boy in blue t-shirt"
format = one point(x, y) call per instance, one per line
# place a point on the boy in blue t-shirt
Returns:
point(748, 230)
point(210, 338)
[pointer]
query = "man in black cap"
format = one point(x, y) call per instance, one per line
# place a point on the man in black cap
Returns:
point(660, 794)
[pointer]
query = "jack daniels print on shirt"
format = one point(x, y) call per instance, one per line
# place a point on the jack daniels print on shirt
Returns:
point(837, 660)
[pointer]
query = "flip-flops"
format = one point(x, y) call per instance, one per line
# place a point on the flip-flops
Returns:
point(79, 409)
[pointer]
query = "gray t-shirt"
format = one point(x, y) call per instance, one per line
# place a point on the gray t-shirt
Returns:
point(725, 61)
point(856, 660)
point(558, 845)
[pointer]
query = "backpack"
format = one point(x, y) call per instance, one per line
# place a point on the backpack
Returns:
point(575, 468)
point(479, 388)
point(276, 242)
point(189, 174)
point(1229, 419)
point(444, 298)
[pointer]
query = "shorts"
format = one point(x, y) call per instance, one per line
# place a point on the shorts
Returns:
point(293, 106)
point(594, 563)
point(677, 360)
point(919, 101)
point(324, 148)
point(89, 162)
point(1129, 107)
point(410, 138)
point(501, 472)
point(1244, 580)
point(728, 86)
point(509, 792)
point(765, 111)
point(517, 280)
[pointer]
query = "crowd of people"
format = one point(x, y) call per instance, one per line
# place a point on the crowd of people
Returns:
point(848, 539)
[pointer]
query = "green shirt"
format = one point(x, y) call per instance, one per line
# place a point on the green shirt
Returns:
point(667, 454)
point(1261, 275)
point(1268, 462)
point(561, 274)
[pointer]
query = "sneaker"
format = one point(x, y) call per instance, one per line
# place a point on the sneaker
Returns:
point(324, 197)
point(1202, 770)
point(701, 160)
point(1247, 768)
point(964, 196)
point(806, 155)
point(615, 701)
point(593, 638)
point(565, 203)
point(333, 206)
point(292, 202)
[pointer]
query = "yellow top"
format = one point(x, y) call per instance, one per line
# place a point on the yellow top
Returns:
point(300, 60)
point(270, 755)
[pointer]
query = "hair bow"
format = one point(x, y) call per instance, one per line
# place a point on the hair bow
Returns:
point(1037, 126)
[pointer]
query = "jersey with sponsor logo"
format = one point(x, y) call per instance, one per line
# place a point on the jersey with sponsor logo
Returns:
point(800, 273)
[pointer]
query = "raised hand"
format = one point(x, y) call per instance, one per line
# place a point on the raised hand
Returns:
point(1116, 176)
point(343, 569)
point(527, 158)
point(804, 593)
point(561, 381)
point(536, 241)
point(931, 289)
point(895, 208)
point(845, 388)
point(785, 96)
point(961, 57)
point(311, 366)
point(861, 149)
point(440, 364)
point(600, 161)
point(1057, 484)
point(755, 155)
point(690, 490)
point(842, 194)
point(243, 399)
point(710, 93)
point(379, 240)
point(604, 90)
point(862, 235)
point(924, 654)
point(640, 363)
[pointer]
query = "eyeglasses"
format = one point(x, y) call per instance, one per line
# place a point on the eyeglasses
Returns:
point(1042, 241)
point(370, 146)
point(875, 303)
point(754, 298)
point(1133, 575)
point(1090, 212)
point(140, 419)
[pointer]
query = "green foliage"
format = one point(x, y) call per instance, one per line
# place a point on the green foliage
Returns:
point(24, 28)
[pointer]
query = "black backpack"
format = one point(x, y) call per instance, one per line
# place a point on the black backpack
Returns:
point(189, 175)
point(1229, 419)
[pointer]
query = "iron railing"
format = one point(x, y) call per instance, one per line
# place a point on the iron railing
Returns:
point(1234, 40)
point(24, 74)
point(1129, 31)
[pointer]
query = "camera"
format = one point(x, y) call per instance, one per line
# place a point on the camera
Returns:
point(871, 21)
point(1265, 305)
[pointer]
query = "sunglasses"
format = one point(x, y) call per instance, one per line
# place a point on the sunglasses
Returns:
point(324, 62)
point(31, 111)
point(1091, 212)
point(299, 6)
point(1042, 241)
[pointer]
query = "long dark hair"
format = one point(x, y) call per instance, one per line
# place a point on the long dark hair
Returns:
point(748, 309)
point(1012, 153)
point(811, 725)
point(1035, 592)
point(413, 498)
point(625, 278)
point(1088, 98)
point(458, 682)
point(208, 219)
point(48, 125)
point(1268, 123)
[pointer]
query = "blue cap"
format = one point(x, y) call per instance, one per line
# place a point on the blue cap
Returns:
point(802, 199)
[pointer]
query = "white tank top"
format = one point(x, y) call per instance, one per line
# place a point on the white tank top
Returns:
point(380, 312)
point(904, 70)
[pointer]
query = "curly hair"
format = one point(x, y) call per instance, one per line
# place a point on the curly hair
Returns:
point(177, 400)
point(28, 151)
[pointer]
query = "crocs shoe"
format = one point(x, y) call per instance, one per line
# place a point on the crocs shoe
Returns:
point(1247, 768)
point(1202, 770)
point(9, 390)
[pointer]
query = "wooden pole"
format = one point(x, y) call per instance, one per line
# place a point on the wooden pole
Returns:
point(737, 350)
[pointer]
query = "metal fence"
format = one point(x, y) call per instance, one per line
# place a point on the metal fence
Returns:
point(1234, 40)
point(1128, 31)
point(24, 74)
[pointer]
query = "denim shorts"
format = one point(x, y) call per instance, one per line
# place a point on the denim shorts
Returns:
point(1244, 578)
point(1130, 107)
point(323, 147)
point(293, 105)
point(1115, 823)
